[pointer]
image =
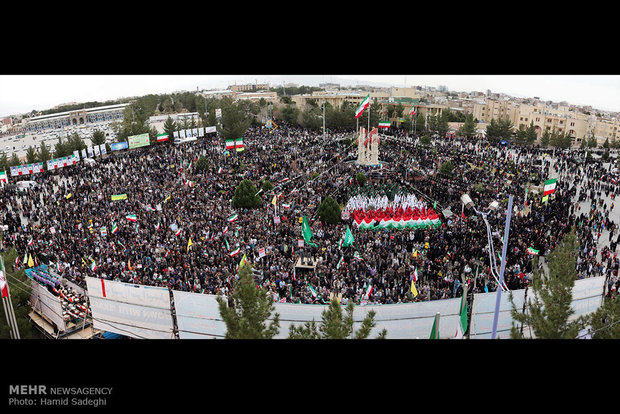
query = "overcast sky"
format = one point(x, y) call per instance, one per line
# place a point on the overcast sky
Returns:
point(23, 93)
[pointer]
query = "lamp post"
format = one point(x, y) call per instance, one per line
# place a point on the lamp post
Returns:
point(493, 206)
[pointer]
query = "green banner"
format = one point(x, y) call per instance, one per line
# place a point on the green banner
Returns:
point(136, 141)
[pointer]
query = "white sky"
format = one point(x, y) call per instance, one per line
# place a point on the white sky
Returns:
point(23, 93)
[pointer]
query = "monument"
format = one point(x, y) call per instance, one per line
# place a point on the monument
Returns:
point(368, 147)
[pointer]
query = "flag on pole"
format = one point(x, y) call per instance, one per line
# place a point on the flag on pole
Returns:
point(114, 228)
point(340, 262)
point(461, 326)
point(412, 111)
point(384, 124)
point(30, 261)
point(415, 274)
point(532, 251)
point(131, 217)
point(116, 197)
point(368, 291)
point(4, 286)
point(348, 238)
point(93, 266)
point(219, 171)
point(3, 178)
point(189, 243)
point(549, 186)
point(30, 242)
point(306, 232)
point(243, 261)
point(230, 143)
point(275, 199)
point(365, 104)
point(435, 328)
point(414, 291)
point(233, 218)
point(357, 257)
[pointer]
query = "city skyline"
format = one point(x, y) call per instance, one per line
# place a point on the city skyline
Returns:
point(24, 93)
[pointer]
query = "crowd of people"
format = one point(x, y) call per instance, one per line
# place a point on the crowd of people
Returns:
point(71, 221)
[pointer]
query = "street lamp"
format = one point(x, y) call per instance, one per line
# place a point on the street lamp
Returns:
point(493, 206)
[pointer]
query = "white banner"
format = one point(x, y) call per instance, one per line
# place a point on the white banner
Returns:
point(49, 305)
point(132, 310)
point(198, 316)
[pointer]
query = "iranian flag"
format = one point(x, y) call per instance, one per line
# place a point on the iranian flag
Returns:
point(286, 206)
point(532, 251)
point(162, 137)
point(412, 111)
point(93, 266)
point(368, 292)
point(233, 218)
point(384, 124)
point(131, 217)
point(239, 145)
point(3, 178)
point(4, 286)
point(235, 252)
point(549, 186)
point(365, 104)
point(219, 171)
point(357, 257)
point(230, 143)
point(314, 292)
point(114, 228)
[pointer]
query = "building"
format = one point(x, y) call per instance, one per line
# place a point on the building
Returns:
point(79, 117)
point(248, 87)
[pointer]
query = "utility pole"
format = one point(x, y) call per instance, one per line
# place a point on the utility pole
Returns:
point(503, 266)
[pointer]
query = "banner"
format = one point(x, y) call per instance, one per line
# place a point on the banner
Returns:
point(102, 149)
point(198, 316)
point(136, 141)
point(117, 146)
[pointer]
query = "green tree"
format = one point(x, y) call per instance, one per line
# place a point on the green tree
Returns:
point(234, 120)
point(14, 160)
point(4, 162)
point(75, 142)
point(31, 155)
point(361, 179)
point(545, 139)
point(592, 141)
point(267, 186)
point(446, 168)
point(245, 196)
point(44, 154)
point(605, 321)
point(61, 149)
point(500, 129)
point(468, 129)
point(251, 308)
point(169, 128)
point(202, 164)
point(549, 312)
point(98, 137)
point(329, 211)
point(336, 325)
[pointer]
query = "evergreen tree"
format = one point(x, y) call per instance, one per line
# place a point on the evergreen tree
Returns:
point(468, 129)
point(605, 321)
point(169, 128)
point(245, 196)
point(329, 211)
point(549, 312)
point(545, 139)
point(234, 120)
point(335, 325)
point(31, 155)
point(44, 154)
point(251, 308)
point(98, 137)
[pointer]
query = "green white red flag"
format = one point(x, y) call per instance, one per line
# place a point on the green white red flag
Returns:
point(365, 104)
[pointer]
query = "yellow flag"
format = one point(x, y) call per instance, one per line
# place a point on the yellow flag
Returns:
point(415, 253)
point(30, 261)
point(167, 198)
point(68, 195)
point(243, 261)
point(189, 243)
point(413, 289)
point(275, 198)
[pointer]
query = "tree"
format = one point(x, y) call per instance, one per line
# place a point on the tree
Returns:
point(605, 321)
point(98, 137)
point(468, 129)
point(335, 325)
point(202, 164)
point(61, 149)
point(250, 310)
point(361, 179)
point(498, 130)
point(446, 168)
point(169, 128)
point(31, 155)
point(245, 196)
point(545, 139)
point(44, 154)
point(592, 141)
point(329, 211)
point(234, 120)
point(548, 314)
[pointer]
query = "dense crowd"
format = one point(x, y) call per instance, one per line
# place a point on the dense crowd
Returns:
point(60, 221)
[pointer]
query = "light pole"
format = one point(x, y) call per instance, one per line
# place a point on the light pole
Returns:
point(494, 205)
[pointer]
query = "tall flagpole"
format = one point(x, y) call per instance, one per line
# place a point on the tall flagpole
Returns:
point(502, 267)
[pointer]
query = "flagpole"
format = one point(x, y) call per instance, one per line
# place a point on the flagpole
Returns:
point(502, 267)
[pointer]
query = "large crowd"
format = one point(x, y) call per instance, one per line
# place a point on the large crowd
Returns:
point(70, 221)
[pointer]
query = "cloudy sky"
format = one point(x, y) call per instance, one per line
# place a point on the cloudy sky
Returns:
point(23, 93)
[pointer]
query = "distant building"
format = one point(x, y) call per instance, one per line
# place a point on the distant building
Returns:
point(249, 87)
point(78, 117)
